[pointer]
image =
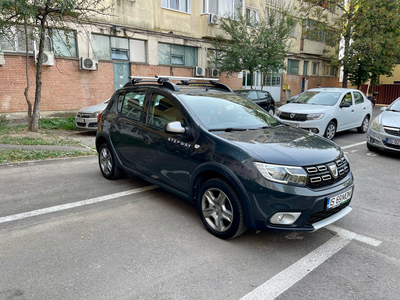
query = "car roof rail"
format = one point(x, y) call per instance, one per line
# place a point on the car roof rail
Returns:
point(164, 80)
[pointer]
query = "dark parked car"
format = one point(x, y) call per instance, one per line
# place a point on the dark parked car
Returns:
point(261, 98)
point(220, 151)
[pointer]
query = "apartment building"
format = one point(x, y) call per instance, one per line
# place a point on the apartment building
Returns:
point(148, 38)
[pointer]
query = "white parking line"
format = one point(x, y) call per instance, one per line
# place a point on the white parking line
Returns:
point(353, 145)
point(74, 204)
point(294, 273)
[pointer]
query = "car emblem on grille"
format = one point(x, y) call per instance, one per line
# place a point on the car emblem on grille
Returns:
point(292, 116)
point(334, 170)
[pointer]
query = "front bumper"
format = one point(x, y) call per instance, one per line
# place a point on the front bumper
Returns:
point(269, 198)
point(86, 123)
point(378, 140)
point(315, 126)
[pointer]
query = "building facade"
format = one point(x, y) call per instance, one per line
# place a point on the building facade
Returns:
point(148, 38)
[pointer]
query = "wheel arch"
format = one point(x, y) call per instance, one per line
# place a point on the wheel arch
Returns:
point(211, 170)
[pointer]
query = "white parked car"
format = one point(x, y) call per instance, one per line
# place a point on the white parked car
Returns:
point(86, 118)
point(326, 111)
point(384, 133)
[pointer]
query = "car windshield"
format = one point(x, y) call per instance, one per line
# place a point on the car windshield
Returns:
point(318, 98)
point(395, 106)
point(228, 112)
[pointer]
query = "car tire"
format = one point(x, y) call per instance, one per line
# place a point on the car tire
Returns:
point(220, 209)
point(364, 125)
point(330, 130)
point(372, 148)
point(107, 163)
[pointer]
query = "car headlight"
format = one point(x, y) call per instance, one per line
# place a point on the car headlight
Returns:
point(375, 125)
point(94, 115)
point(283, 174)
point(315, 116)
point(278, 113)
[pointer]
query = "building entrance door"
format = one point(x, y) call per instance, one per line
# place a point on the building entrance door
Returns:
point(121, 74)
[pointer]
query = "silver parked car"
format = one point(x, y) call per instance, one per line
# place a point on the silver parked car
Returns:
point(86, 118)
point(384, 133)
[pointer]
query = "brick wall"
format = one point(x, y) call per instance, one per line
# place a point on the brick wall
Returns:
point(65, 87)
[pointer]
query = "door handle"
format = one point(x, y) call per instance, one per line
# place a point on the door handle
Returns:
point(364, 108)
point(352, 110)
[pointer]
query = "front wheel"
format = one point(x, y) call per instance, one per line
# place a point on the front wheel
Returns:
point(220, 209)
point(107, 163)
point(330, 130)
point(364, 126)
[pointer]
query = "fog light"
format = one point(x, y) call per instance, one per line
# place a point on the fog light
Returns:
point(314, 130)
point(285, 218)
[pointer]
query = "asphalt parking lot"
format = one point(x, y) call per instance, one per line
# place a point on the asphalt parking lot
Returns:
point(68, 233)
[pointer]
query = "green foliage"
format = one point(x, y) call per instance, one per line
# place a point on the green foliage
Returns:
point(10, 156)
point(6, 139)
point(58, 123)
point(254, 45)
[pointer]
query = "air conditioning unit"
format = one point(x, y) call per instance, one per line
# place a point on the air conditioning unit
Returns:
point(213, 19)
point(2, 60)
point(48, 58)
point(86, 63)
point(199, 71)
point(215, 72)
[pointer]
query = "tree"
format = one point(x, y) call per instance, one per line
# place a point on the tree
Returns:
point(254, 45)
point(39, 16)
point(362, 30)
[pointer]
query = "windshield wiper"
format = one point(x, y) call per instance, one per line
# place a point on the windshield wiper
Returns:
point(394, 110)
point(228, 129)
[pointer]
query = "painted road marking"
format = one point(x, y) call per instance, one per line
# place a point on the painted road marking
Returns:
point(294, 273)
point(353, 145)
point(74, 204)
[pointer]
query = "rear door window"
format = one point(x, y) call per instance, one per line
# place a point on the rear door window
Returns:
point(130, 104)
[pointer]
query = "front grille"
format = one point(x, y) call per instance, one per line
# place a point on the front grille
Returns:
point(390, 145)
point(293, 116)
point(81, 115)
point(81, 124)
point(325, 214)
point(323, 174)
point(92, 124)
point(392, 131)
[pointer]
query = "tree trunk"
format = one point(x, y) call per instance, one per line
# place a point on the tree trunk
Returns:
point(347, 37)
point(27, 78)
point(36, 107)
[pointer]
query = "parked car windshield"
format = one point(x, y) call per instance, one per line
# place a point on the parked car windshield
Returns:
point(395, 106)
point(318, 98)
point(221, 111)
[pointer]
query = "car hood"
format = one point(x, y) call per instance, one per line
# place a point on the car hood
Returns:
point(303, 108)
point(93, 108)
point(390, 118)
point(285, 145)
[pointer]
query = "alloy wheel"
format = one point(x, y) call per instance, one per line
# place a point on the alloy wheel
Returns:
point(217, 209)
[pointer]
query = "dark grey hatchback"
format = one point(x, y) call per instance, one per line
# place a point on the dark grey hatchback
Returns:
point(238, 164)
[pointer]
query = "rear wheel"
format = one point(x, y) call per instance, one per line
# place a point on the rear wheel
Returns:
point(330, 130)
point(364, 126)
point(107, 163)
point(220, 209)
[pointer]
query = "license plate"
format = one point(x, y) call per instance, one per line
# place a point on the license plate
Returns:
point(393, 142)
point(80, 120)
point(339, 199)
point(293, 124)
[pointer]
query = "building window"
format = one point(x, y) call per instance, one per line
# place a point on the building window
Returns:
point(329, 71)
point(311, 31)
point(138, 51)
point(179, 5)
point(177, 55)
point(61, 42)
point(119, 48)
point(214, 59)
point(224, 8)
point(315, 68)
point(305, 67)
point(293, 66)
point(253, 15)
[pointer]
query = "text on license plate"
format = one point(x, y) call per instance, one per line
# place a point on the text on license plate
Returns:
point(339, 199)
point(393, 141)
point(293, 124)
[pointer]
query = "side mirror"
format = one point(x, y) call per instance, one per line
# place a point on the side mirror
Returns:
point(175, 127)
point(383, 108)
point(375, 93)
point(344, 105)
